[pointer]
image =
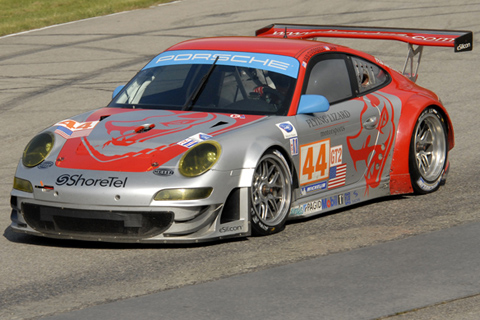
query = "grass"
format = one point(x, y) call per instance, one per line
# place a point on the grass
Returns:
point(22, 15)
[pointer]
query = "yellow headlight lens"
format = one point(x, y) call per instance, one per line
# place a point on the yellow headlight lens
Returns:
point(183, 194)
point(22, 185)
point(38, 149)
point(199, 159)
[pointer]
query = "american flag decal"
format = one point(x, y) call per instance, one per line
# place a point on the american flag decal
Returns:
point(68, 134)
point(64, 132)
point(187, 143)
point(338, 175)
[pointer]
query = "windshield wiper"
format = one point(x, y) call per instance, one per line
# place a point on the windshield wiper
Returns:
point(194, 96)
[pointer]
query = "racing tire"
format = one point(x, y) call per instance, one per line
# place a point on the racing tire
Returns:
point(270, 194)
point(428, 151)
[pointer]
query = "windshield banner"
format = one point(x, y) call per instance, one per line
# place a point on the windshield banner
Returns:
point(270, 62)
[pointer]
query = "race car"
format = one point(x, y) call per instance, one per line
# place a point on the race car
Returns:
point(232, 136)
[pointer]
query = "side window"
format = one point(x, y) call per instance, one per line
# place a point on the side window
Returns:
point(368, 75)
point(329, 77)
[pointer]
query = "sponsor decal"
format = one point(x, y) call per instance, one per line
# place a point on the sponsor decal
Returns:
point(439, 39)
point(332, 132)
point(351, 198)
point(341, 199)
point(463, 46)
point(287, 129)
point(327, 119)
point(231, 229)
point(356, 197)
point(314, 187)
point(314, 162)
point(390, 34)
point(332, 202)
point(312, 207)
point(405, 34)
point(63, 132)
point(193, 140)
point(336, 155)
point(163, 172)
point(338, 175)
point(427, 186)
point(322, 204)
point(294, 146)
point(270, 62)
point(296, 211)
point(187, 143)
point(237, 116)
point(257, 221)
point(78, 180)
point(320, 162)
point(45, 165)
point(73, 129)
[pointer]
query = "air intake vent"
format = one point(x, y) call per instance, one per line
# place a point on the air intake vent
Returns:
point(94, 224)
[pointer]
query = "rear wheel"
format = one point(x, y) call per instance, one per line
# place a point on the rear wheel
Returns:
point(271, 194)
point(428, 151)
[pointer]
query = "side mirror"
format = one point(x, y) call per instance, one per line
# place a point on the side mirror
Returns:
point(312, 103)
point(117, 91)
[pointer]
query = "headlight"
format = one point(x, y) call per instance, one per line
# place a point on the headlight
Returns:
point(199, 159)
point(183, 194)
point(38, 149)
point(22, 185)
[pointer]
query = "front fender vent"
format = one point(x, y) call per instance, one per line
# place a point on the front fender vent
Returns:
point(231, 209)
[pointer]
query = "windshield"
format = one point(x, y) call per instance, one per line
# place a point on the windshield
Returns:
point(236, 83)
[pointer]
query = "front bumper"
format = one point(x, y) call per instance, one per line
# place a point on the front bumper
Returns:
point(129, 213)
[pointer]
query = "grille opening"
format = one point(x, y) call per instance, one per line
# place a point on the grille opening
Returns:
point(13, 201)
point(95, 223)
point(231, 209)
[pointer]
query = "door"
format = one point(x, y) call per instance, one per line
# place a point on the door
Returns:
point(336, 147)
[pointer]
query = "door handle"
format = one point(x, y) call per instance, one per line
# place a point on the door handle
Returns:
point(370, 123)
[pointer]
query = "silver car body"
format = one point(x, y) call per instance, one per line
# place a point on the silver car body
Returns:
point(120, 193)
point(105, 169)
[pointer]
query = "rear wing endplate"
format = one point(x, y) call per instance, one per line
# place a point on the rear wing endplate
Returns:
point(415, 38)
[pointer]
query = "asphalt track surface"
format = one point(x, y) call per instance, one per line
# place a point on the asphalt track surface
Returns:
point(392, 277)
point(398, 258)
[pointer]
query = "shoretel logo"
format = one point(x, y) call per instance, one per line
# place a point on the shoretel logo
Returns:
point(78, 180)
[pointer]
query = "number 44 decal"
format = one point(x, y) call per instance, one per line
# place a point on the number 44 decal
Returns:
point(316, 159)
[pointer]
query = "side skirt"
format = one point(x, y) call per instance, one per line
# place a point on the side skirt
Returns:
point(319, 203)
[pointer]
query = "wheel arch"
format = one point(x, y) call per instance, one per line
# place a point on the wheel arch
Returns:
point(262, 145)
point(400, 182)
point(271, 192)
point(290, 163)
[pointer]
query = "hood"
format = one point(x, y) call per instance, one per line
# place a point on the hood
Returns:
point(139, 140)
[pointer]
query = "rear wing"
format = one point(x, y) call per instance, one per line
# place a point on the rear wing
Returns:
point(459, 40)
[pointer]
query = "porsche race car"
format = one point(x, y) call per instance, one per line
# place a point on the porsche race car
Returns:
point(232, 136)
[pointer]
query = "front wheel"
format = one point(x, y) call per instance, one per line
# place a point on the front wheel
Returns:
point(271, 194)
point(428, 152)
